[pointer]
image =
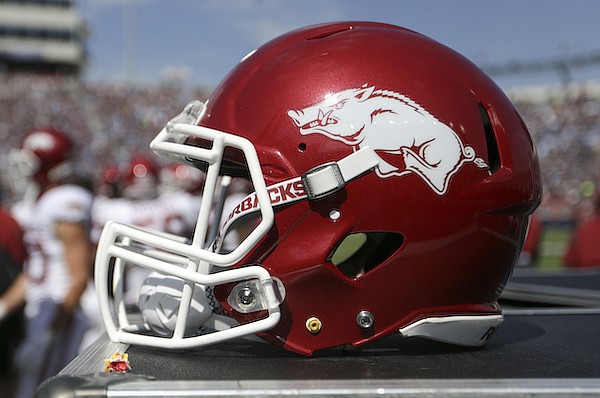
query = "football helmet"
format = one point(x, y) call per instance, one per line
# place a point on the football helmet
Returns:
point(109, 181)
point(392, 184)
point(45, 156)
point(177, 177)
point(140, 178)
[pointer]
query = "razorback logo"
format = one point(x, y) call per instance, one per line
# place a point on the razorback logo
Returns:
point(393, 126)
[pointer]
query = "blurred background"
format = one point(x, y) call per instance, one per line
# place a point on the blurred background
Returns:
point(113, 72)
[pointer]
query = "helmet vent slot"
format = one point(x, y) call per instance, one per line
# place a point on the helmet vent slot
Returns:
point(333, 31)
point(362, 252)
point(490, 139)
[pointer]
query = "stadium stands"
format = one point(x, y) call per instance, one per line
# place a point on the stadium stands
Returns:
point(41, 35)
point(118, 119)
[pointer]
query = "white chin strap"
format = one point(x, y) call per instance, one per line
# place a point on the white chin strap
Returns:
point(328, 178)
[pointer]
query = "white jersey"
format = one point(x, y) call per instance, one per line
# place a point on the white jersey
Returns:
point(174, 213)
point(183, 219)
point(46, 269)
point(107, 209)
point(21, 211)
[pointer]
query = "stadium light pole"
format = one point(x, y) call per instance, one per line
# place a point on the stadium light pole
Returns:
point(130, 33)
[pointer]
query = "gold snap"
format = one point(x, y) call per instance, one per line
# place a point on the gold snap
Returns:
point(313, 324)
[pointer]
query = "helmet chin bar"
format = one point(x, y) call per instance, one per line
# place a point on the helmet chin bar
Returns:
point(126, 244)
point(168, 254)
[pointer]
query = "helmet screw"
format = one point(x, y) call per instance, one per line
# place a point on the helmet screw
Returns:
point(246, 296)
point(365, 319)
point(314, 325)
point(335, 214)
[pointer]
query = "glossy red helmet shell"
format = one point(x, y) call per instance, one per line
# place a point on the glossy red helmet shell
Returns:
point(432, 248)
point(50, 148)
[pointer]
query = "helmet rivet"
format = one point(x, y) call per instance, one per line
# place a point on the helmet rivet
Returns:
point(335, 215)
point(246, 296)
point(365, 319)
point(313, 324)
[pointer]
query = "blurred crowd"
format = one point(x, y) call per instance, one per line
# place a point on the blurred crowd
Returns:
point(111, 121)
point(115, 120)
point(566, 131)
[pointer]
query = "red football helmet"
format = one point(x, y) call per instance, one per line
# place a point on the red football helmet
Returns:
point(393, 184)
point(140, 178)
point(44, 157)
point(178, 177)
point(109, 181)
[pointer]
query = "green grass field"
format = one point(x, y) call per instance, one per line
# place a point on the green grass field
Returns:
point(553, 245)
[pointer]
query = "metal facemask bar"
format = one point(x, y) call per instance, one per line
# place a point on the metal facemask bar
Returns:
point(127, 245)
point(172, 255)
point(170, 143)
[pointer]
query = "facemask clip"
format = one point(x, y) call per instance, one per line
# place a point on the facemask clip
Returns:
point(255, 295)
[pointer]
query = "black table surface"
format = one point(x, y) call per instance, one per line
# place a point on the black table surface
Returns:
point(539, 343)
point(528, 346)
point(575, 278)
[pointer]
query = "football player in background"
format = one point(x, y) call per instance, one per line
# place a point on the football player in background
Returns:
point(141, 204)
point(181, 186)
point(12, 256)
point(107, 188)
point(56, 234)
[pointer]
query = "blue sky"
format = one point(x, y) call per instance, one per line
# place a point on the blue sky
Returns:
point(142, 40)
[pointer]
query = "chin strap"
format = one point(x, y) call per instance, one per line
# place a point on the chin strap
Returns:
point(328, 178)
point(317, 183)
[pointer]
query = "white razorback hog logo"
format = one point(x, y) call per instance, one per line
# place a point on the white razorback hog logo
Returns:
point(391, 124)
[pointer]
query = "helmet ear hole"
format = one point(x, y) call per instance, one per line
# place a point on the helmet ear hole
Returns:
point(361, 252)
point(490, 138)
